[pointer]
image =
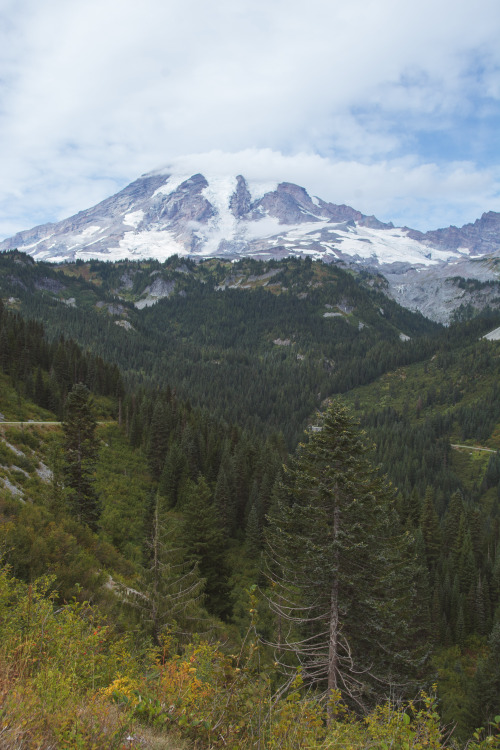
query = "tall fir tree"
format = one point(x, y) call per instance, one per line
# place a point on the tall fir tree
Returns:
point(431, 530)
point(339, 566)
point(206, 544)
point(485, 703)
point(175, 472)
point(169, 594)
point(80, 453)
point(158, 438)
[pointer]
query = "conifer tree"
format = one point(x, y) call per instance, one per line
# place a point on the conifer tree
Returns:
point(252, 533)
point(495, 579)
point(336, 562)
point(189, 445)
point(466, 565)
point(486, 685)
point(158, 439)
point(414, 507)
point(39, 390)
point(175, 472)
point(460, 626)
point(479, 609)
point(436, 608)
point(431, 530)
point(170, 591)
point(206, 544)
point(225, 502)
point(80, 451)
point(136, 428)
point(452, 519)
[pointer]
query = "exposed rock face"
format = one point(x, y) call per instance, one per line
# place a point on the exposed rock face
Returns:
point(159, 289)
point(438, 295)
point(241, 199)
point(290, 204)
point(482, 237)
point(126, 283)
point(125, 324)
point(17, 282)
point(493, 335)
point(184, 204)
point(112, 309)
point(49, 285)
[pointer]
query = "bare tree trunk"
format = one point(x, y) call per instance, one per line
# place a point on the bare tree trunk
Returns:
point(333, 644)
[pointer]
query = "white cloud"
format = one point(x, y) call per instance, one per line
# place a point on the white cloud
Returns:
point(95, 92)
point(401, 190)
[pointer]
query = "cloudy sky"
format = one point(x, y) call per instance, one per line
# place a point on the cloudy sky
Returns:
point(391, 106)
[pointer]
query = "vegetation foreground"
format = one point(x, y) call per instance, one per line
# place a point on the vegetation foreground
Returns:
point(69, 680)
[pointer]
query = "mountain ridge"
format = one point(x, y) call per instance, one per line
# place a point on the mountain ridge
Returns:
point(203, 216)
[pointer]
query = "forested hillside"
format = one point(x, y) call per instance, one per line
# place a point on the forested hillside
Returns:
point(260, 344)
point(179, 516)
point(422, 419)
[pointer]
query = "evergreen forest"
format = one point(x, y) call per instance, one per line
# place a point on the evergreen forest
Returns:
point(250, 504)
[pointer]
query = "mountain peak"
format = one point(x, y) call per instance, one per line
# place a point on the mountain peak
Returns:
point(213, 215)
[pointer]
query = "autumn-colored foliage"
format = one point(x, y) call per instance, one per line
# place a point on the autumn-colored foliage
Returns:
point(68, 680)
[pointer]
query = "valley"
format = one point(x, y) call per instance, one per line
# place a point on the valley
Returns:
point(195, 402)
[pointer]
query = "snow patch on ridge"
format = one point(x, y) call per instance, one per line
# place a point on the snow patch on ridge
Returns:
point(390, 246)
point(172, 184)
point(88, 231)
point(224, 225)
point(151, 244)
point(268, 226)
point(134, 218)
point(25, 248)
point(259, 189)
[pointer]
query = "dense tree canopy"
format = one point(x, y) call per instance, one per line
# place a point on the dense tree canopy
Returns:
point(80, 450)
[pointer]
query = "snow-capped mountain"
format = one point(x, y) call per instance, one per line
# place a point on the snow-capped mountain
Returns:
point(162, 214)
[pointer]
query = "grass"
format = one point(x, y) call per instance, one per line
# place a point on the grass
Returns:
point(402, 389)
point(81, 271)
point(15, 408)
point(469, 466)
point(154, 739)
